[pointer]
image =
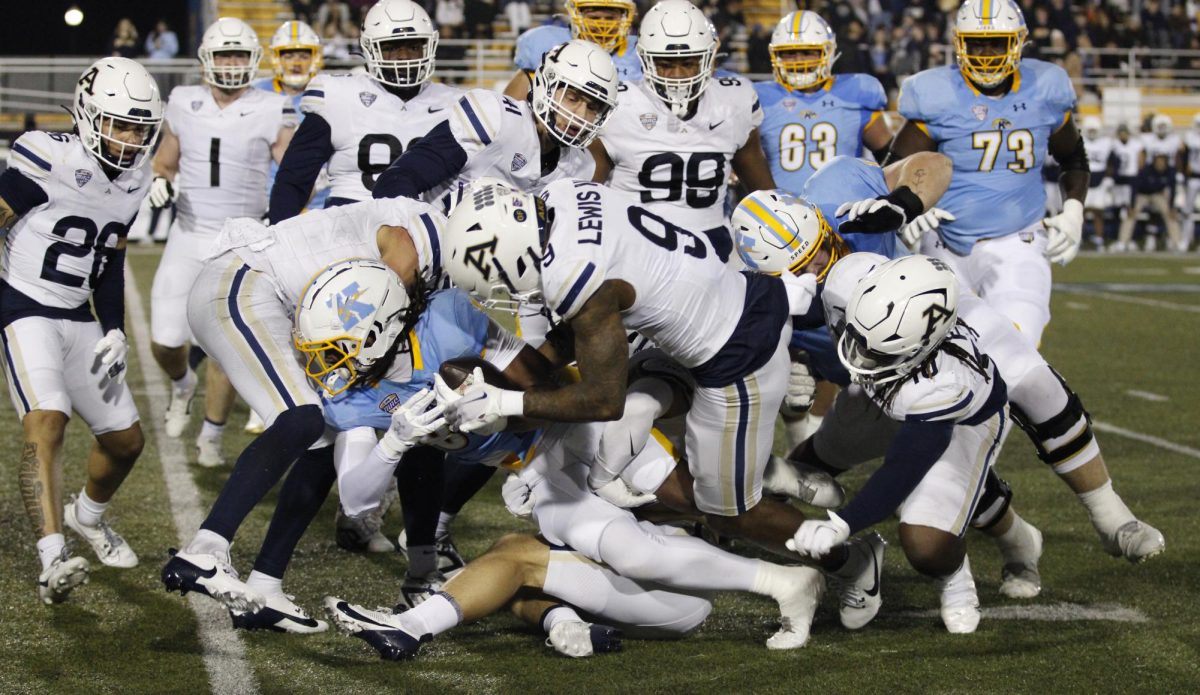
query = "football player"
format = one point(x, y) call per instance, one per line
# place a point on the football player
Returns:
point(240, 313)
point(679, 133)
point(359, 124)
point(605, 23)
point(1191, 164)
point(1102, 164)
point(1162, 142)
point(66, 203)
point(220, 139)
point(996, 115)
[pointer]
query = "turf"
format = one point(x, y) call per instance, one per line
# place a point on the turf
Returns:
point(122, 632)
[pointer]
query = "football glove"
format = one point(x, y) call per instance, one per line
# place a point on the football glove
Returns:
point(112, 350)
point(815, 538)
point(162, 192)
point(927, 221)
point(619, 494)
point(1064, 232)
point(518, 496)
point(883, 214)
point(801, 388)
point(483, 408)
point(411, 423)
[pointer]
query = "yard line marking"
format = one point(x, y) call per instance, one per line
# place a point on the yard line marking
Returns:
point(1147, 439)
point(1143, 271)
point(1078, 306)
point(1143, 301)
point(1130, 287)
point(224, 652)
point(1053, 612)
point(1147, 396)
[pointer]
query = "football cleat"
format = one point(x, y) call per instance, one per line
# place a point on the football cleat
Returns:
point(254, 424)
point(857, 582)
point(960, 602)
point(211, 575)
point(578, 639)
point(280, 614)
point(797, 609)
point(379, 629)
point(1135, 541)
point(1019, 578)
point(361, 534)
point(449, 561)
point(802, 482)
point(63, 575)
point(208, 453)
point(416, 590)
point(110, 548)
point(179, 410)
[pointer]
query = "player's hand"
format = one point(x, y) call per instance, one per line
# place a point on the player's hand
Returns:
point(1064, 232)
point(618, 493)
point(815, 538)
point(411, 422)
point(112, 350)
point(887, 213)
point(927, 221)
point(518, 496)
point(162, 192)
point(483, 408)
point(801, 388)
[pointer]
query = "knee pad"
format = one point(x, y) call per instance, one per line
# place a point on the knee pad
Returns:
point(1065, 441)
point(993, 503)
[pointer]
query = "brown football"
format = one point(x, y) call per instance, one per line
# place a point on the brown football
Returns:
point(454, 372)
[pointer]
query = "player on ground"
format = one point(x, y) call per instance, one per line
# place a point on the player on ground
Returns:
point(996, 115)
point(220, 138)
point(359, 124)
point(66, 203)
point(605, 23)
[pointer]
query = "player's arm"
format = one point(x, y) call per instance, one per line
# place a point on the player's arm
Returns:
point(166, 160)
point(750, 164)
point(300, 162)
point(915, 184)
point(282, 139)
point(604, 163)
point(877, 136)
point(518, 86)
point(926, 174)
point(398, 252)
point(108, 293)
point(1066, 144)
point(912, 138)
point(18, 195)
point(436, 158)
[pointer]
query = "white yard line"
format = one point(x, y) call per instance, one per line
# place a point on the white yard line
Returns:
point(1142, 301)
point(1147, 439)
point(1147, 396)
point(1054, 612)
point(224, 652)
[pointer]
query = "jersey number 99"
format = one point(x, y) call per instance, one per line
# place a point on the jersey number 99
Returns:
point(371, 170)
point(702, 175)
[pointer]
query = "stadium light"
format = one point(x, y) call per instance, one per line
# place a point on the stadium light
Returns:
point(73, 16)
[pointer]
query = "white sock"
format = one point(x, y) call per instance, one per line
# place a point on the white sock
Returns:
point(796, 431)
point(1105, 508)
point(422, 560)
point(186, 383)
point(443, 526)
point(264, 584)
point(1016, 542)
point(87, 510)
point(769, 580)
point(209, 430)
point(206, 541)
point(559, 614)
point(433, 616)
point(50, 548)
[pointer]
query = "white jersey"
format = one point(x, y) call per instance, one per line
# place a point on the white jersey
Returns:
point(1098, 153)
point(50, 254)
point(1127, 156)
point(370, 127)
point(680, 168)
point(687, 302)
point(1191, 140)
point(949, 390)
point(1155, 146)
point(224, 153)
point(294, 251)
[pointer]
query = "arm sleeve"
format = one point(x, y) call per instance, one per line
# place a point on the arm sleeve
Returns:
point(311, 147)
point(20, 192)
point(108, 294)
point(436, 158)
point(916, 447)
point(529, 50)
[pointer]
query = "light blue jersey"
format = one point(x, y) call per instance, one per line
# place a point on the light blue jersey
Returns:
point(803, 131)
point(450, 327)
point(533, 43)
point(997, 145)
point(270, 84)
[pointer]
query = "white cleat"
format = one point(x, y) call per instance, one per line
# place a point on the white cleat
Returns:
point(960, 602)
point(578, 639)
point(208, 453)
point(179, 411)
point(110, 548)
point(802, 482)
point(254, 424)
point(280, 614)
point(213, 576)
point(1135, 541)
point(797, 609)
point(1020, 578)
point(63, 575)
point(362, 533)
point(858, 582)
point(416, 590)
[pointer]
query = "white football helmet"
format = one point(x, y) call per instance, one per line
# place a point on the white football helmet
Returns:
point(581, 67)
point(1091, 127)
point(610, 34)
point(677, 29)
point(229, 35)
point(777, 232)
point(1162, 125)
point(840, 283)
point(117, 100)
point(979, 21)
point(802, 31)
point(492, 246)
point(294, 35)
point(393, 21)
point(350, 316)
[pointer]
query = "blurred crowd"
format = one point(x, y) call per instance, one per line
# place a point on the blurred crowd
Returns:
point(158, 44)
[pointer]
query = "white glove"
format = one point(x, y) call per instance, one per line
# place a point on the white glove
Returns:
point(1064, 231)
point(870, 206)
point(111, 350)
point(411, 423)
point(927, 221)
point(801, 389)
point(162, 193)
point(482, 406)
point(816, 538)
point(518, 497)
point(618, 493)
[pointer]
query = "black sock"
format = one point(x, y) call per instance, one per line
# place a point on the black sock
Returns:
point(420, 478)
point(462, 482)
point(305, 489)
point(195, 357)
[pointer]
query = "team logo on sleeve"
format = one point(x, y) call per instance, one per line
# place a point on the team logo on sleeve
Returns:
point(389, 403)
point(367, 98)
point(82, 176)
point(980, 111)
point(648, 120)
point(196, 105)
point(518, 162)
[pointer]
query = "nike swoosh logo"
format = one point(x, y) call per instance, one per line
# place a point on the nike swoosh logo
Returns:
point(135, 188)
point(481, 397)
point(713, 126)
point(433, 110)
point(245, 113)
point(344, 607)
point(632, 451)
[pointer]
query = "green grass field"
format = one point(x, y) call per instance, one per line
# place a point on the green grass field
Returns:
point(123, 633)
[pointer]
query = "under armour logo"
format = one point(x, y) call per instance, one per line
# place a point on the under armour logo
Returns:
point(477, 257)
point(828, 103)
point(1019, 107)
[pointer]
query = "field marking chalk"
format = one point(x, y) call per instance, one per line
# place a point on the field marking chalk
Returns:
point(1051, 612)
point(1147, 439)
point(1147, 396)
